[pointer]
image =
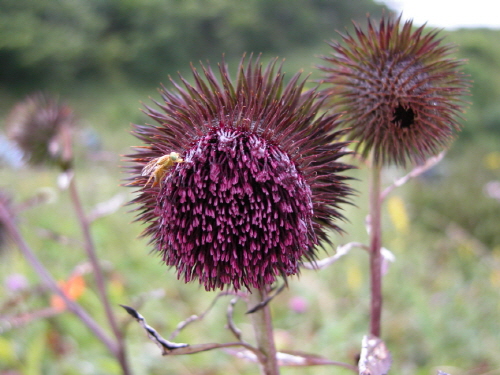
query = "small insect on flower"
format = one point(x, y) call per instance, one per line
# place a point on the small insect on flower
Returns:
point(157, 168)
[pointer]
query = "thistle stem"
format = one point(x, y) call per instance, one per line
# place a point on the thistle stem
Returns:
point(98, 275)
point(47, 279)
point(375, 254)
point(263, 328)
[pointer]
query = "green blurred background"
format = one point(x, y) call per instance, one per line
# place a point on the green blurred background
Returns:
point(103, 57)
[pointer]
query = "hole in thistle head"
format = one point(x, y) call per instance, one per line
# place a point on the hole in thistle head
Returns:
point(403, 117)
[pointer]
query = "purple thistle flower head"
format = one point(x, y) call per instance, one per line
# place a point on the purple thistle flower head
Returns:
point(239, 180)
point(399, 88)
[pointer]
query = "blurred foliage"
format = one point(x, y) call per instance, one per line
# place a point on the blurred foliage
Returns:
point(441, 305)
point(455, 192)
point(71, 40)
point(481, 49)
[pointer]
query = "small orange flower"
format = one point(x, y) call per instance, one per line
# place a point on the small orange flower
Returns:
point(73, 288)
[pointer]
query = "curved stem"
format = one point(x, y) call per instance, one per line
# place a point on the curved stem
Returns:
point(375, 254)
point(263, 328)
point(98, 275)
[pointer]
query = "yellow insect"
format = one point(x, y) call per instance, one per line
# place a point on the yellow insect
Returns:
point(157, 168)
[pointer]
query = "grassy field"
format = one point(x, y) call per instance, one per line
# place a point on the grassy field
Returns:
point(441, 294)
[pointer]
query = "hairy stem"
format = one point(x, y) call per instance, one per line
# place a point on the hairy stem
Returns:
point(98, 275)
point(263, 328)
point(375, 254)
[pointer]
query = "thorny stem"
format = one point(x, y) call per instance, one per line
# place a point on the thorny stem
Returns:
point(98, 275)
point(375, 254)
point(263, 328)
point(48, 280)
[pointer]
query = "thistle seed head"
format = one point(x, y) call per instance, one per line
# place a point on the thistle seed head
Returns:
point(40, 126)
point(400, 90)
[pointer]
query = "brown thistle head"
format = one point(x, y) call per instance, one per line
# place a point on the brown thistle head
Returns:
point(41, 127)
point(400, 90)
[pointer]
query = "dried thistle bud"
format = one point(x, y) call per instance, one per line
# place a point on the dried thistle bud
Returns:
point(399, 88)
point(40, 126)
point(246, 181)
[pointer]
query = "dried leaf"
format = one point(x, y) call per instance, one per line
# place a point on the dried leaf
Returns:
point(165, 345)
point(173, 348)
point(292, 359)
point(375, 359)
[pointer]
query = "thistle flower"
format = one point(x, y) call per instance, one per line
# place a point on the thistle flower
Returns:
point(245, 176)
point(39, 125)
point(399, 89)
